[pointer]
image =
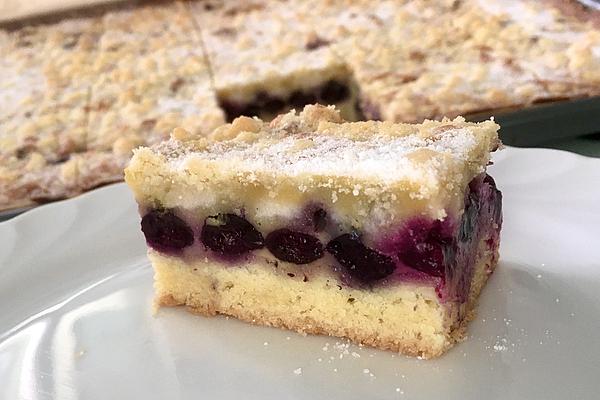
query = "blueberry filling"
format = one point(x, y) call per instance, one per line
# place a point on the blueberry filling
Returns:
point(468, 222)
point(230, 235)
point(299, 99)
point(424, 247)
point(420, 247)
point(333, 92)
point(361, 262)
point(319, 220)
point(496, 201)
point(330, 92)
point(165, 231)
point(294, 247)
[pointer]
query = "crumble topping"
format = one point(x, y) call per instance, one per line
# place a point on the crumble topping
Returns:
point(364, 167)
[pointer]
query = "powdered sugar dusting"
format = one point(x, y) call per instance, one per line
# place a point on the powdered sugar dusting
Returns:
point(375, 158)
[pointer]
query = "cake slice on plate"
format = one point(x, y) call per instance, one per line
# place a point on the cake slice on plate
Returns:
point(379, 232)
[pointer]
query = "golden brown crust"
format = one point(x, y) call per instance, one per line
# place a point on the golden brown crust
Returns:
point(306, 325)
point(206, 303)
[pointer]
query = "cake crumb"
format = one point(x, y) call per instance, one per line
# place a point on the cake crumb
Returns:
point(366, 371)
point(265, 343)
point(499, 347)
point(298, 371)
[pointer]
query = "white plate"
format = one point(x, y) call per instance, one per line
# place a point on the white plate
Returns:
point(76, 322)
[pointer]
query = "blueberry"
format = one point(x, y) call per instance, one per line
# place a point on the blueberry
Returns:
point(165, 231)
point(469, 220)
point(232, 109)
point(230, 235)
point(268, 103)
point(333, 92)
point(299, 99)
point(496, 199)
point(252, 110)
point(319, 220)
point(426, 248)
point(490, 181)
point(361, 262)
point(294, 247)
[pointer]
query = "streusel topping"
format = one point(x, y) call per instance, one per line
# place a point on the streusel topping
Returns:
point(366, 171)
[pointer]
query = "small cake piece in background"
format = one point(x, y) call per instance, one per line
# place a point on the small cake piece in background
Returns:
point(266, 59)
point(379, 232)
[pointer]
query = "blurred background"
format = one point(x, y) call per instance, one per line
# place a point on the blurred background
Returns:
point(82, 83)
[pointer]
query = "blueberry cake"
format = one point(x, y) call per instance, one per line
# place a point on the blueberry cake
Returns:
point(379, 232)
point(266, 58)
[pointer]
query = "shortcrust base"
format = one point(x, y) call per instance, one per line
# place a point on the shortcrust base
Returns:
point(405, 318)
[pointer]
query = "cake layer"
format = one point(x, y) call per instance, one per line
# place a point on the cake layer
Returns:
point(407, 318)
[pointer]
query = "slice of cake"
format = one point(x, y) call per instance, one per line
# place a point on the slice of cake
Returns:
point(267, 59)
point(379, 232)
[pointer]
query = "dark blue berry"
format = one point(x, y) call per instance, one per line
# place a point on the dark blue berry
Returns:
point(294, 247)
point(230, 235)
point(319, 220)
point(496, 199)
point(361, 262)
point(232, 109)
point(299, 99)
point(333, 92)
point(269, 104)
point(426, 247)
point(165, 231)
point(469, 220)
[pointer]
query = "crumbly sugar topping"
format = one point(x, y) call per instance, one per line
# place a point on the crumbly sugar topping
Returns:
point(370, 172)
point(316, 142)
